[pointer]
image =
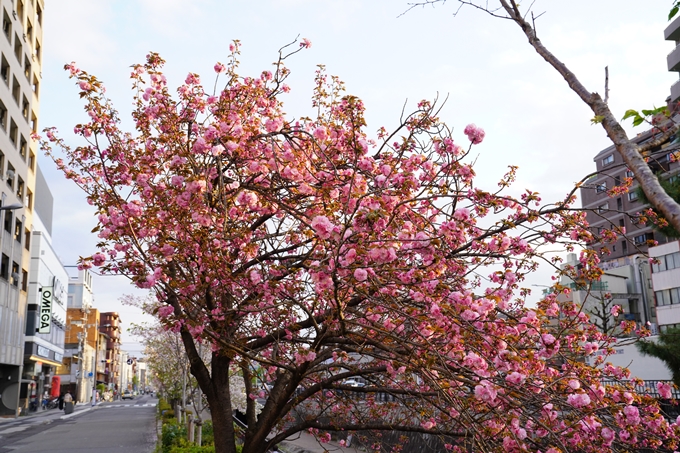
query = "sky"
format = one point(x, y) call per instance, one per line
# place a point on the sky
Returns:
point(483, 65)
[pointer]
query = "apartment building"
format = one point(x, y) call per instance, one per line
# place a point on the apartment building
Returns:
point(20, 74)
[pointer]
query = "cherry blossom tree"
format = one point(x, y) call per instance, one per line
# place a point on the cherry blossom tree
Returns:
point(636, 156)
point(305, 252)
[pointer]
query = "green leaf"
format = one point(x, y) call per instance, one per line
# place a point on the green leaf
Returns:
point(630, 113)
point(673, 12)
point(597, 119)
point(638, 120)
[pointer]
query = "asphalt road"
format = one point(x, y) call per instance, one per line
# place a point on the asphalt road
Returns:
point(120, 426)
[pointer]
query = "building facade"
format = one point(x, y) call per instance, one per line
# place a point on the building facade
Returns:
point(20, 74)
point(47, 298)
point(111, 328)
point(666, 283)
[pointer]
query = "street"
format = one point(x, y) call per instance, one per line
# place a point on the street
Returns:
point(120, 426)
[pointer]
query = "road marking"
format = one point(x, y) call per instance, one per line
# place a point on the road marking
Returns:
point(130, 405)
point(16, 429)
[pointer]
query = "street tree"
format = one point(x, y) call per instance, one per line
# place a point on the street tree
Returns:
point(304, 253)
point(634, 155)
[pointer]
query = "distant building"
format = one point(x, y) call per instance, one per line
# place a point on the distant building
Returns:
point(110, 325)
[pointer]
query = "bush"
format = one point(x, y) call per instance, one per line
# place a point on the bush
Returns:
point(172, 435)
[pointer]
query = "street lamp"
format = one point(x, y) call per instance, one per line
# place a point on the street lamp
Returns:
point(11, 207)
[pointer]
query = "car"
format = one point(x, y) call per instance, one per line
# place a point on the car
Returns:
point(127, 394)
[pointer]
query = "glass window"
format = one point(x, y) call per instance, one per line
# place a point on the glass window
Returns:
point(601, 187)
point(659, 298)
point(676, 260)
point(675, 296)
point(608, 160)
point(632, 196)
point(4, 267)
point(662, 263)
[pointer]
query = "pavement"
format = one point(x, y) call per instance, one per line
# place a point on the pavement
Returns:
point(45, 415)
point(304, 442)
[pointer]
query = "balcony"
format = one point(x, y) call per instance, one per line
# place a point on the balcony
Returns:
point(675, 92)
point(673, 59)
point(672, 32)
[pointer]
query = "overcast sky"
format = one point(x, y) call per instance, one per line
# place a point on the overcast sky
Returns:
point(484, 65)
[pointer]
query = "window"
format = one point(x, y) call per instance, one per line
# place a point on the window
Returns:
point(643, 238)
point(31, 160)
point(15, 274)
point(4, 267)
point(29, 199)
point(602, 187)
point(10, 175)
point(629, 174)
point(624, 246)
point(38, 13)
point(37, 50)
point(24, 280)
point(36, 85)
point(27, 68)
point(27, 239)
point(18, 48)
point(617, 180)
point(666, 262)
point(632, 196)
point(3, 115)
point(34, 122)
point(20, 188)
point(13, 132)
point(23, 146)
point(667, 297)
point(29, 31)
point(619, 203)
point(602, 208)
point(8, 221)
point(18, 231)
point(16, 90)
point(4, 70)
point(24, 108)
point(7, 26)
point(608, 160)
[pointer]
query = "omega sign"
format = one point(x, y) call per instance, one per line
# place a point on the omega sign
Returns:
point(45, 310)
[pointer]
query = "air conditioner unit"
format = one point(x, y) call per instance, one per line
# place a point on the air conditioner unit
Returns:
point(15, 276)
point(10, 174)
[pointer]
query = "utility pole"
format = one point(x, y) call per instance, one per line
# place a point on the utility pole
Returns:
point(94, 371)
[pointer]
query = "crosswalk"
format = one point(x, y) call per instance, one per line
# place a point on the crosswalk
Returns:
point(128, 405)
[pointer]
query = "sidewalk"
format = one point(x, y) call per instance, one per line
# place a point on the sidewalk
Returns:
point(44, 415)
point(306, 443)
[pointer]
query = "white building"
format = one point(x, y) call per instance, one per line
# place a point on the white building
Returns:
point(20, 74)
point(46, 314)
point(666, 283)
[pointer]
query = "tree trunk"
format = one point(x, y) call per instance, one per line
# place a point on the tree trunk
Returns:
point(219, 400)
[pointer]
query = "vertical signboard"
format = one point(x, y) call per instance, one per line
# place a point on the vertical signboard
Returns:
point(45, 317)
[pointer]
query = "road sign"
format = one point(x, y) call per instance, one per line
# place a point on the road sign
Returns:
point(129, 361)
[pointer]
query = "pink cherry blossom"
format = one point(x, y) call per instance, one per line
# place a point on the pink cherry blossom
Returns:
point(475, 134)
